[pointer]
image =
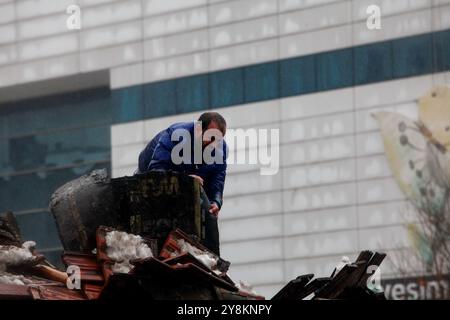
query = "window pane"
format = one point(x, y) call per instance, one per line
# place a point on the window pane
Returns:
point(413, 56)
point(160, 99)
point(192, 93)
point(373, 63)
point(88, 107)
point(127, 104)
point(261, 82)
point(227, 88)
point(33, 190)
point(298, 76)
point(442, 51)
point(61, 148)
point(54, 257)
point(334, 70)
point(39, 227)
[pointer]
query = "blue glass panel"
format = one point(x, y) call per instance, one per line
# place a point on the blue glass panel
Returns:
point(59, 148)
point(373, 63)
point(54, 257)
point(334, 70)
point(160, 99)
point(298, 76)
point(413, 56)
point(127, 104)
point(261, 82)
point(227, 88)
point(39, 227)
point(33, 190)
point(192, 93)
point(83, 108)
point(442, 51)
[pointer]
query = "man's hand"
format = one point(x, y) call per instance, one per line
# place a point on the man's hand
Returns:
point(199, 179)
point(214, 209)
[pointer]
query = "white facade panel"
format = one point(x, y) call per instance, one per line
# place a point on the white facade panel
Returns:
point(241, 206)
point(43, 27)
point(7, 12)
point(253, 251)
point(317, 151)
point(111, 13)
point(111, 57)
point(8, 54)
point(110, 35)
point(126, 76)
point(175, 22)
point(33, 8)
point(321, 244)
point(247, 31)
point(239, 10)
point(175, 67)
point(316, 41)
point(319, 17)
point(175, 45)
point(320, 221)
point(251, 228)
point(245, 54)
point(155, 7)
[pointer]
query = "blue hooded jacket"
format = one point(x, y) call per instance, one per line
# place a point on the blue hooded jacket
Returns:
point(157, 156)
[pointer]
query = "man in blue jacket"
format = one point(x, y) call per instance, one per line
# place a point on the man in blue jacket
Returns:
point(165, 152)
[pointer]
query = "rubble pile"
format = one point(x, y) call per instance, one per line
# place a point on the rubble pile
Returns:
point(349, 281)
point(141, 238)
point(124, 266)
point(128, 266)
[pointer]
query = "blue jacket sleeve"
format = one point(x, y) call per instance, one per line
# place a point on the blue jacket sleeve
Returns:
point(161, 158)
point(216, 184)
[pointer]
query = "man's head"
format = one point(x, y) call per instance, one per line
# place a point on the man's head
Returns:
point(212, 120)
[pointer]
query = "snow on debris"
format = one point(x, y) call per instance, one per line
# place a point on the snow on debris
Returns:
point(16, 256)
point(204, 257)
point(246, 288)
point(123, 247)
point(7, 278)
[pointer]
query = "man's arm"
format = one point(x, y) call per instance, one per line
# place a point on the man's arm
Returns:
point(215, 188)
point(161, 158)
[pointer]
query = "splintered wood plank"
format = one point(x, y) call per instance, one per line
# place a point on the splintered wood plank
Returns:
point(338, 284)
point(314, 286)
point(294, 288)
point(375, 261)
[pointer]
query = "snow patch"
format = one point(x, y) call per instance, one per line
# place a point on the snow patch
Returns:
point(246, 288)
point(204, 257)
point(16, 256)
point(7, 278)
point(123, 247)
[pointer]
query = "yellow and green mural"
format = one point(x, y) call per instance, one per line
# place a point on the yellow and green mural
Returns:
point(418, 153)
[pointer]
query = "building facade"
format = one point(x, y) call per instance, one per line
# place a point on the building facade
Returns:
point(75, 100)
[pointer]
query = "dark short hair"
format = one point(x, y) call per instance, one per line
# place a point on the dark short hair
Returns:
point(208, 117)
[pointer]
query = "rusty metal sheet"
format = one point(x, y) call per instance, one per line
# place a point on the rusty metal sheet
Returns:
point(90, 269)
point(171, 248)
point(182, 271)
point(92, 291)
point(55, 293)
point(14, 292)
point(186, 258)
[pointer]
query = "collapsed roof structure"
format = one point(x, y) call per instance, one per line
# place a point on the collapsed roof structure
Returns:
point(140, 237)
